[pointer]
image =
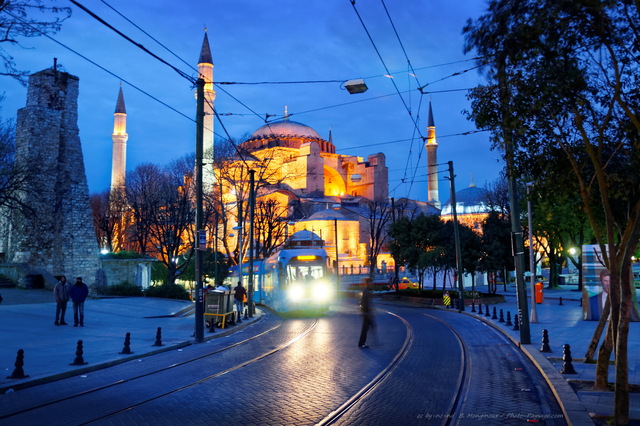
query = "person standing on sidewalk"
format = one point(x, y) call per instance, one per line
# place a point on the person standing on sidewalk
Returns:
point(367, 313)
point(78, 293)
point(240, 295)
point(61, 296)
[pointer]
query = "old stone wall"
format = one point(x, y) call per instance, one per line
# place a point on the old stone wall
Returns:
point(58, 237)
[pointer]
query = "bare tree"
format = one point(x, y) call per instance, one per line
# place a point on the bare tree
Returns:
point(26, 19)
point(161, 201)
point(110, 216)
point(379, 215)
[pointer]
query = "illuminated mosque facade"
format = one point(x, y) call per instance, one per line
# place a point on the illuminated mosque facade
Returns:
point(324, 192)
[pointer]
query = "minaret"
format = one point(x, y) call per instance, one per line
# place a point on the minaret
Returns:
point(119, 150)
point(205, 71)
point(432, 161)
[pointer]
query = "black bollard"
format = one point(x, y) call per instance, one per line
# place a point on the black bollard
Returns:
point(508, 323)
point(560, 300)
point(126, 350)
point(516, 322)
point(18, 372)
point(212, 325)
point(545, 341)
point(487, 314)
point(158, 337)
point(501, 316)
point(79, 352)
point(567, 366)
point(473, 306)
point(246, 313)
point(494, 316)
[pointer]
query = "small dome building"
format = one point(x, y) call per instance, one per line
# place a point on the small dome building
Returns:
point(471, 207)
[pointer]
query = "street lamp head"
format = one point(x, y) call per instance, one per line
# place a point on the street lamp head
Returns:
point(355, 86)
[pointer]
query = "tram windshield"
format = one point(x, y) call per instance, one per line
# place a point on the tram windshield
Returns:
point(305, 270)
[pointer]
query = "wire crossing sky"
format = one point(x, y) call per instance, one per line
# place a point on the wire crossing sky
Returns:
point(269, 55)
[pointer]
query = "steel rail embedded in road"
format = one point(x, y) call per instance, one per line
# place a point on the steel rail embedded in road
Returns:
point(376, 381)
point(200, 358)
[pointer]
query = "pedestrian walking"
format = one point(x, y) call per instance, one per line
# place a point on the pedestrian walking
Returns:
point(61, 296)
point(366, 309)
point(240, 295)
point(78, 293)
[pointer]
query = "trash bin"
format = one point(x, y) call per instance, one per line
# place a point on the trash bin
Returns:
point(539, 292)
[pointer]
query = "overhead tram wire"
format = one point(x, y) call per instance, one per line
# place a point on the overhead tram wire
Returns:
point(148, 35)
point(353, 4)
point(98, 65)
point(181, 73)
point(470, 132)
point(95, 16)
point(105, 23)
point(413, 72)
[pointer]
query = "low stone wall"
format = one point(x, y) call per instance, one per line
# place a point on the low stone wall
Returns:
point(133, 271)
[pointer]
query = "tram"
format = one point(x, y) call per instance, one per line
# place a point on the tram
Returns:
point(290, 280)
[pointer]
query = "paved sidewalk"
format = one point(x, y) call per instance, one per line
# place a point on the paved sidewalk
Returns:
point(49, 350)
point(565, 326)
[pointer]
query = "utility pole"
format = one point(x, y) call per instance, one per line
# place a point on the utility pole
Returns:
point(335, 230)
point(456, 235)
point(516, 230)
point(532, 260)
point(199, 313)
point(252, 207)
point(396, 267)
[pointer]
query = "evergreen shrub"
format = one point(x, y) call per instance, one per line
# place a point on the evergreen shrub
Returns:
point(168, 291)
point(122, 289)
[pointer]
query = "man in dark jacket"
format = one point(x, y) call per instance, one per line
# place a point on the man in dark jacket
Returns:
point(78, 293)
point(61, 296)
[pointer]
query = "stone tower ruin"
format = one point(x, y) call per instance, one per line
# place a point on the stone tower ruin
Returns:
point(58, 238)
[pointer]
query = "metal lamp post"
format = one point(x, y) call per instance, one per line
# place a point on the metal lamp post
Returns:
point(533, 318)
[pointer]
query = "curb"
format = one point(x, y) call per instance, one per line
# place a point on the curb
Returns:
point(573, 410)
point(28, 383)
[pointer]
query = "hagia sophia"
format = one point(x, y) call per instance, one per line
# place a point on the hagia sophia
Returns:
point(322, 191)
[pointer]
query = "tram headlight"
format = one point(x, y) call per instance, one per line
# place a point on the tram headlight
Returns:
point(296, 293)
point(322, 291)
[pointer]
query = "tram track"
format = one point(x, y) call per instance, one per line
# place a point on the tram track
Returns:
point(448, 418)
point(94, 392)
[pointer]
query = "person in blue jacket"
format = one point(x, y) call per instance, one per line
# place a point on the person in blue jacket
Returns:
point(78, 294)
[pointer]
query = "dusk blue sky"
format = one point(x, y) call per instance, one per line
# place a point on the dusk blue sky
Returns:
point(274, 41)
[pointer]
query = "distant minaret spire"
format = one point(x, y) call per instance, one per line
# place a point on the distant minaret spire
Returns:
point(205, 71)
point(286, 113)
point(432, 161)
point(119, 145)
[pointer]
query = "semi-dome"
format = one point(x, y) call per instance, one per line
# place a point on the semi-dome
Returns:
point(328, 214)
point(285, 128)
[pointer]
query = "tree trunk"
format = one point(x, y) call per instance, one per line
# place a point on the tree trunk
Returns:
point(621, 398)
point(602, 367)
point(598, 331)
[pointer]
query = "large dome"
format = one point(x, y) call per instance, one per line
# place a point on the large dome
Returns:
point(285, 128)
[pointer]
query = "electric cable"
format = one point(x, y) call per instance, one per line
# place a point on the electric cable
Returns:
point(105, 23)
point(99, 66)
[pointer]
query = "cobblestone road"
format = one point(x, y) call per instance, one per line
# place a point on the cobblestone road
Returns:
point(301, 370)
